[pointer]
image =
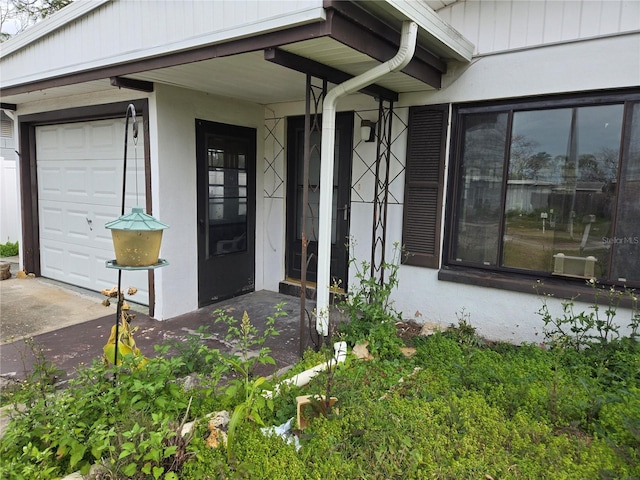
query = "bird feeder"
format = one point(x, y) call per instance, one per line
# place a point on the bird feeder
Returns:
point(136, 239)
point(136, 236)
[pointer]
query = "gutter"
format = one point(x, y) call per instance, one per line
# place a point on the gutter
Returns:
point(400, 60)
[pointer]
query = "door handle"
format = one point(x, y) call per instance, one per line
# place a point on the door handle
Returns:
point(345, 211)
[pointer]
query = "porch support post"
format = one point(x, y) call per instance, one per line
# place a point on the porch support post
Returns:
point(400, 60)
point(313, 97)
point(381, 192)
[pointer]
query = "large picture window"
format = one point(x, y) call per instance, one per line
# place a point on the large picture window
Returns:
point(549, 188)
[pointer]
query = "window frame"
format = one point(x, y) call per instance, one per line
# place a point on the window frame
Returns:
point(498, 276)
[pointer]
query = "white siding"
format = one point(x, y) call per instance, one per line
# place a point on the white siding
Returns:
point(495, 26)
point(132, 29)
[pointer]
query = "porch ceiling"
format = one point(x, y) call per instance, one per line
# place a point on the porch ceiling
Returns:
point(250, 77)
point(247, 76)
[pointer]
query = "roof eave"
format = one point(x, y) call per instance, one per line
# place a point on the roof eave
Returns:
point(445, 40)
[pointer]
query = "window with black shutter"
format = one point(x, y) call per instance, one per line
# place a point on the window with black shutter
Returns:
point(424, 185)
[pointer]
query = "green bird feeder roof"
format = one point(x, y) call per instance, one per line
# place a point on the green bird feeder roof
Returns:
point(137, 220)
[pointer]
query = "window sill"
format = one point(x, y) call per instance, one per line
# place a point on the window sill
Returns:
point(563, 288)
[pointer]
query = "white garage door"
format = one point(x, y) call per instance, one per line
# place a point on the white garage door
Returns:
point(79, 190)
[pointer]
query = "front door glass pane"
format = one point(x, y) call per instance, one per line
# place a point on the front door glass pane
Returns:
point(227, 203)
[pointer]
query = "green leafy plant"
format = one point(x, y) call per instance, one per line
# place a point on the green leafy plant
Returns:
point(84, 423)
point(579, 329)
point(9, 249)
point(247, 390)
point(464, 332)
point(370, 310)
point(195, 356)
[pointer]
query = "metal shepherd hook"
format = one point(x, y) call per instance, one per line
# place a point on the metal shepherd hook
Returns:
point(131, 111)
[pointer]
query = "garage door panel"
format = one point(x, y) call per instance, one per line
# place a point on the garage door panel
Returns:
point(52, 260)
point(49, 139)
point(51, 221)
point(77, 224)
point(80, 169)
point(96, 183)
point(79, 271)
point(48, 187)
point(76, 181)
point(82, 266)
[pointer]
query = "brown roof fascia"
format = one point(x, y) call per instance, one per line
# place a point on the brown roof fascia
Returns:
point(234, 47)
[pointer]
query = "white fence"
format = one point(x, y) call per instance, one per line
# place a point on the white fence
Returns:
point(9, 205)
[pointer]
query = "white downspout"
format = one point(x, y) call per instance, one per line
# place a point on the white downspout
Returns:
point(399, 61)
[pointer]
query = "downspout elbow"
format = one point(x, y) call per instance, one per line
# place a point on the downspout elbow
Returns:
point(401, 59)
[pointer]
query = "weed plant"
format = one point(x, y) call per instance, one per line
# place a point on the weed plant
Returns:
point(372, 317)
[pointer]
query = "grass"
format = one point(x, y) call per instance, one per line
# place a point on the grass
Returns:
point(453, 410)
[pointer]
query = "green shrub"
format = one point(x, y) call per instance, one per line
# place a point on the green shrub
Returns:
point(9, 249)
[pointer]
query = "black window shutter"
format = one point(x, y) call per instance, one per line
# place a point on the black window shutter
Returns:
point(424, 178)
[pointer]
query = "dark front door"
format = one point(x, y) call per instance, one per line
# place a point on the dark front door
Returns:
point(226, 157)
point(341, 199)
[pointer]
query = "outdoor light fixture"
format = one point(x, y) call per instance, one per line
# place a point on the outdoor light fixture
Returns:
point(136, 236)
point(367, 130)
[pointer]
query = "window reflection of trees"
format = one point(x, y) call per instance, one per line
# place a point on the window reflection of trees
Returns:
point(562, 189)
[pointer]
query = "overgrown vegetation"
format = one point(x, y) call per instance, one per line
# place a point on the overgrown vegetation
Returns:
point(9, 249)
point(371, 315)
point(458, 408)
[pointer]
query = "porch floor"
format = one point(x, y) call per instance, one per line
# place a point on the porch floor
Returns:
point(81, 342)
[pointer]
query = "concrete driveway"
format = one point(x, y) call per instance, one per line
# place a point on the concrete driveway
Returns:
point(32, 306)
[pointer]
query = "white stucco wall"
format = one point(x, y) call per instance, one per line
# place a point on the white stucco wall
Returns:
point(173, 112)
point(420, 296)
point(592, 64)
